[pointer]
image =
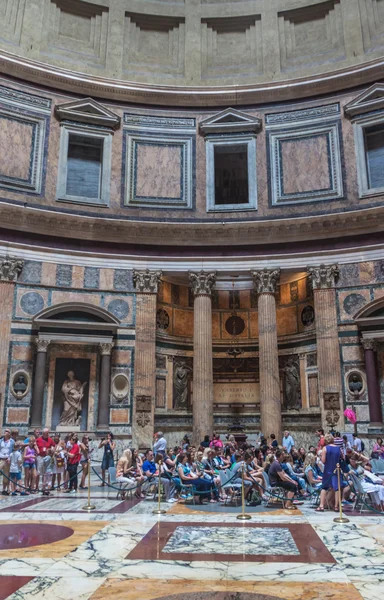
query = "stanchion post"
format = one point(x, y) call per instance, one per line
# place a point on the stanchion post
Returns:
point(340, 518)
point(88, 507)
point(159, 510)
point(243, 516)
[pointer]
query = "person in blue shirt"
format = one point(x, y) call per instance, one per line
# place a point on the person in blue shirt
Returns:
point(288, 442)
point(151, 471)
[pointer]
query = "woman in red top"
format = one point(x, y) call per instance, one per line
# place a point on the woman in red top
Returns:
point(74, 457)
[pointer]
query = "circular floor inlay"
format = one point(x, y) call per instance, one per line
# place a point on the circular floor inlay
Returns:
point(24, 535)
point(219, 596)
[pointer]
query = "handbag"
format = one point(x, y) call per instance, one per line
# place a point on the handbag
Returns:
point(59, 462)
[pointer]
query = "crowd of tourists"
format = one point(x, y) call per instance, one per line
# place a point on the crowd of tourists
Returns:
point(212, 471)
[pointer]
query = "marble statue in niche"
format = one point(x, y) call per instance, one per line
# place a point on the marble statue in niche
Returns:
point(291, 385)
point(181, 379)
point(73, 393)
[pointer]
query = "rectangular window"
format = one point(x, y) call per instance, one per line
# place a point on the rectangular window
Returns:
point(231, 174)
point(84, 166)
point(374, 151)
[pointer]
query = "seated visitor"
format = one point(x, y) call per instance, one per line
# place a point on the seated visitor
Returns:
point(370, 483)
point(216, 441)
point(378, 448)
point(205, 442)
point(123, 472)
point(151, 471)
point(313, 478)
point(287, 466)
point(278, 478)
point(274, 443)
point(187, 477)
point(208, 473)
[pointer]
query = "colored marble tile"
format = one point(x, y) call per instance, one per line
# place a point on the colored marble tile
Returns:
point(305, 547)
point(246, 541)
point(10, 584)
point(189, 589)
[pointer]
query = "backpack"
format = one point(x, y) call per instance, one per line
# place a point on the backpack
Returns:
point(253, 499)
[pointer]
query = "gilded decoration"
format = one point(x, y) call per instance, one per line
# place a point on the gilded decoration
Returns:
point(324, 276)
point(266, 280)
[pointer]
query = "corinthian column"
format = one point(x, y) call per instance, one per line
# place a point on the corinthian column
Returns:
point(202, 284)
point(323, 280)
point(9, 272)
point(146, 285)
point(270, 404)
point(39, 383)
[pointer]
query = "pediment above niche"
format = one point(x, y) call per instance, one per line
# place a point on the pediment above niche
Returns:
point(230, 120)
point(88, 111)
point(370, 100)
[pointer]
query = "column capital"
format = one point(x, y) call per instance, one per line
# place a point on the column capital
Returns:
point(369, 343)
point(106, 348)
point(10, 269)
point(146, 282)
point(202, 283)
point(266, 280)
point(324, 276)
point(42, 345)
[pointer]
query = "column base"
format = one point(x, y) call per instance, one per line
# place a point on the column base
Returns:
point(375, 428)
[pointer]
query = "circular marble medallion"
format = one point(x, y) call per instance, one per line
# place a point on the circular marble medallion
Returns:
point(308, 316)
point(234, 325)
point(119, 308)
point(219, 596)
point(32, 303)
point(25, 535)
point(353, 303)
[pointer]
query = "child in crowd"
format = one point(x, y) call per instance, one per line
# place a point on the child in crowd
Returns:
point(29, 463)
point(15, 462)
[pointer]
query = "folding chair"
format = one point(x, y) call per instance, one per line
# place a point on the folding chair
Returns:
point(226, 484)
point(272, 491)
point(362, 497)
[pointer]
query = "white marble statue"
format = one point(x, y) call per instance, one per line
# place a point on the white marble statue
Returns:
point(73, 392)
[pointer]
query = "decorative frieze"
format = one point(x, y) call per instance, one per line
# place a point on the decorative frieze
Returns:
point(324, 276)
point(299, 116)
point(10, 269)
point(202, 283)
point(146, 282)
point(266, 280)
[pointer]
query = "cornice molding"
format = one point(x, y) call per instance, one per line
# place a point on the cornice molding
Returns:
point(294, 229)
point(132, 92)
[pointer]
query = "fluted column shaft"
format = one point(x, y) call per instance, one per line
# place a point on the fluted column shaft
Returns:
point(39, 383)
point(104, 386)
point(373, 383)
point(202, 284)
point(270, 403)
point(146, 284)
point(327, 341)
point(9, 271)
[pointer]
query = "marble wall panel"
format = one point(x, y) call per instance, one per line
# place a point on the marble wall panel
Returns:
point(183, 322)
point(119, 415)
point(59, 296)
point(183, 295)
point(223, 299)
point(378, 293)
point(64, 275)
point(29, 302)
point(106, 279)
point(349, 275)
point(48, 274)
point(122, 280)
point(78, 277)
point(31, 272)
point(17, 415)
point(254, 324)
point(285, 293)
point(216, 327)
point(121, 307)
point(351, 301)
point(286, 320)
point(22, 353)
point(245, 298)
point(121, 357)
point(367, 272)
point(158, 171)
point(91, 278)
point(305, 165)
point(15, 147)
point(352, 353)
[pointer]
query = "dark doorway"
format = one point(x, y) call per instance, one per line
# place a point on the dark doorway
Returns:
point(231, 174)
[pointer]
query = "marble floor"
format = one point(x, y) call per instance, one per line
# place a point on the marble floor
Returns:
point(50, 548)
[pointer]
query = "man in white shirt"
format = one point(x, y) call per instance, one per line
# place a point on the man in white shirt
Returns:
point(160, 444)
point(6, 447)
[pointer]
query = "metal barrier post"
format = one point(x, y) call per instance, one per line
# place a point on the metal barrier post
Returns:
point(243, 516)
point(340, 518)
point(158, 510)
point(88, 507)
